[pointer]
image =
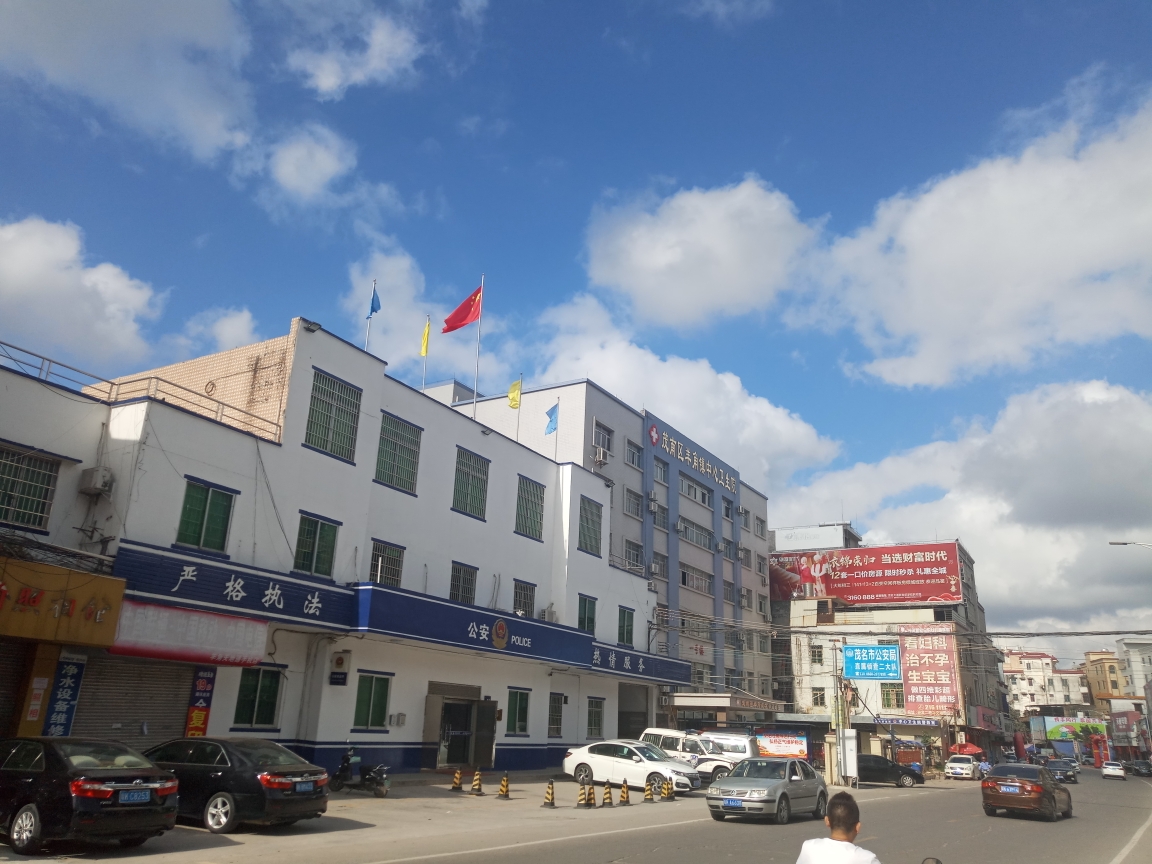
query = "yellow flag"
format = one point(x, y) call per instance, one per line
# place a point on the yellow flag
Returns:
point(424, 340)
point(514, 394)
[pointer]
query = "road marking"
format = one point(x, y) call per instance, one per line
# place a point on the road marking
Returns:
point(1123, 853)
point(533, 842)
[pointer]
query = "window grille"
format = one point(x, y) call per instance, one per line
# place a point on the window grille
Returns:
point(387, 563)
point(204, 518)
point(555, 715)
point(463, 585)
point(315, 546)
point(27, 487)
point(633, 555)
point(333, 416)
point(633, 503)
point(398, 454)
point(530, 508)
point(590, 520)
point(471, 492)
point(523, 598)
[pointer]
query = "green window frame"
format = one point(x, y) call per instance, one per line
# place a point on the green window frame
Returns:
point(463, 585)
point(27, 487)
point(387, 563)
point(595, 717)
point(624, 626)
point(892, 695)
point(333, 416)
point(517, 712)
point(591, 519)
point(586, 618)
point(555, 715)
point(530, 508)
point(315, 546)
point(372, 702)
point(470, 494)
point(205, 517)
point(398, 454)
point(258, 699)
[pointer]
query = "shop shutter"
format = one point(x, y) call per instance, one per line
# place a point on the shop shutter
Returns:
point(137, 702)
point(13, 664)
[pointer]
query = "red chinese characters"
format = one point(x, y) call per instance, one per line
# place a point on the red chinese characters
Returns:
point(929, 669)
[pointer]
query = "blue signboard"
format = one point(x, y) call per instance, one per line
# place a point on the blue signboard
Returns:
point(638, 664)
point(676, 447)
point(872, 662)
point(65, 694)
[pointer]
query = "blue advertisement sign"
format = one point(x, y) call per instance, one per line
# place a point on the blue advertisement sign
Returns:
point(65, 694)
point(872, 662)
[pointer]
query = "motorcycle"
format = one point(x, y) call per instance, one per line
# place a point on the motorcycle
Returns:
point(374, 777)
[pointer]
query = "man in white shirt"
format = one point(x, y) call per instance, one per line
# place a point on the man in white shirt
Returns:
point(844, 821)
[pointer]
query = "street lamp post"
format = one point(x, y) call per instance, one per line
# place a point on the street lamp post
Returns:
point(1129, 543)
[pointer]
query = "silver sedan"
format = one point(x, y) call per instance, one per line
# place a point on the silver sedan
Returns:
point(769, 787)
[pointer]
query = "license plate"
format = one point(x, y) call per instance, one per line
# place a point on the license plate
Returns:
point(733, 802)
point(307, 786)
point(134, 796)
point(1013, 789)
point(695, 784)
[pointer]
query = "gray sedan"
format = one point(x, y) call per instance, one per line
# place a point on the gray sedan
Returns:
point(769, 787)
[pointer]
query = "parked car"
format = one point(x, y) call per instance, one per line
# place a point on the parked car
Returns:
point(1064, 770)
point(877, 769)
point(702, 754)
point(734, 746)
point(1113, 769)
point(961, 767)
point(771, 787)
point(1025, 788)
point(624, 759)
point(1142, 768)
point(76, 789)
point(227, 781)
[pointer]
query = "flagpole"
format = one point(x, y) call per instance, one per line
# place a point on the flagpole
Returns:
point(424, 376)
point(368, 329)
point(519, 405)
point(479, 321)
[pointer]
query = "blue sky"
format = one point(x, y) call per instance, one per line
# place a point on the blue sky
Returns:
point(861, 251)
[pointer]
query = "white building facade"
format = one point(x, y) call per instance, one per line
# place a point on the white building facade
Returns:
point(1034, 679)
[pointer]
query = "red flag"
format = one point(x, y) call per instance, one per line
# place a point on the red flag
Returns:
point(465, 313)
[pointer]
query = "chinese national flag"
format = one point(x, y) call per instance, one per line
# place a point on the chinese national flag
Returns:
point(465, 313)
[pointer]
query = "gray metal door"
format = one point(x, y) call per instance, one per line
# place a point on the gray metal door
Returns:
point(484, 746)
point(137, 702)
point(13, 665)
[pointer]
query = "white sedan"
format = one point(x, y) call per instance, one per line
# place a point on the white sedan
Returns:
point(624, 760)
point(1113, 769)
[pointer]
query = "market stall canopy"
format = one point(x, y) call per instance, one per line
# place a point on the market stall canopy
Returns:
point(966, 749)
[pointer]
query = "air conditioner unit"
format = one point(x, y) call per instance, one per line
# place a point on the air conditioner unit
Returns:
point(653, 506)
point(740, 511)
point(397, 719)
point(96, 481)
point(764, 581)
point(652, 586)
point(600, 456)
point(652, 495)
point(665, 701)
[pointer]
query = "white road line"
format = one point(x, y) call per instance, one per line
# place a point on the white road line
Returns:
point(528, 843)
point(1123, 853)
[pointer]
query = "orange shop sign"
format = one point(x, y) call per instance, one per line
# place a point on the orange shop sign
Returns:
point(53, 604)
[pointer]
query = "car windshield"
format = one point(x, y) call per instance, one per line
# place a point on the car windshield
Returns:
point(652, 754)
point(731, 746)
point(267, 754)
point(1023, 772)
point(1143, 763)
point(967, 760)
point(761, 769)
point(101, 754)
point(710, 747)
point(1060, 763)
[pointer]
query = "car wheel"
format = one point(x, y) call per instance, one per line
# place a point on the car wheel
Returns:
point(989, 811)
point(656, 781)
point(783, 811)
point(24, 832)
point(821, 807)
point(906, 781)
point(1067, 814)
point(583, 774)
point(380, 791)
point(719, 774)
point(1050, 813)
point(132, 842)
point(719, 817)
point(220, 813)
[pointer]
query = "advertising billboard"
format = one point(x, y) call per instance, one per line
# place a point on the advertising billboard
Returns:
point(1073, 728)
point(928, 665)
point(781, 742)
point(872, 662)
point(889, 575)
point(809, 537)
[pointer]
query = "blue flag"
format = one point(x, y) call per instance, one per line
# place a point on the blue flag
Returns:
point(553, 419)
point(375, 307)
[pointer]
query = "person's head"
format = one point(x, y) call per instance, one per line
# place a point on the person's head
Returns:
point(843, 817)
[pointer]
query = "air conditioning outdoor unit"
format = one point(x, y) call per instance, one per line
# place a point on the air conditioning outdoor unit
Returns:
point(654, 569)
point(600, 456)
point(665, 701)
point(97, 480)
point(652, 586)
point(653, 506)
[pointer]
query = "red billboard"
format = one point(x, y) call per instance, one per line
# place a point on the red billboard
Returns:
point(913, 573)
point(929, 669)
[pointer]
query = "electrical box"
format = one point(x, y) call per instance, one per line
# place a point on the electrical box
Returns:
point(97, 480)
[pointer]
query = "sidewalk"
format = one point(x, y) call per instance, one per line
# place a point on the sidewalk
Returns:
point(443, 777)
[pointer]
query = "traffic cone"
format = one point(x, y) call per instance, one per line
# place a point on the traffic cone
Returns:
point(477, 786)
point(607, 802)
point(549, 795)
point(590, 802)
point(624, 802)
point(672, 791)
point(648, 799)
point(456, 787)
point(582, 798)
point(503, 793)
point(665, 794)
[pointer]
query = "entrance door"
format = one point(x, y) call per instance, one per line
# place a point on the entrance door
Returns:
point(632, 711)
point(455, 733)
point(484, 747)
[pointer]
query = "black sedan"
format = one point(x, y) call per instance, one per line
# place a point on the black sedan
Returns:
point(1064, 770)
point(1142, 768)
point(76, 789)
point(877, 769)
point(226, 781)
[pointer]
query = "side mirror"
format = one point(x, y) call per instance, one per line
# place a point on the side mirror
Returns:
point(794, 777)
point(637, 759)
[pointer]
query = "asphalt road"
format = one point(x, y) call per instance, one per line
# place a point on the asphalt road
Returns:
point(1112, 824)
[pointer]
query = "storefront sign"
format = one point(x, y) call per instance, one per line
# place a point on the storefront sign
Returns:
point(872, 662)
point(928, 666)
point(53, 604)
point(916, 573)
point(907, 721)
point(169, 633)
point(674, 446)
point(985, 718)
point(61, 707)
point(779, 742)
point(200, 702)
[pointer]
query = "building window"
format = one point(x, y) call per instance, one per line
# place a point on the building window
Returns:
point(765, 685)
point(471, 493)
point(463, 586)
point(624, 626)
point(732, 639)
point(728, 548)
point(697, 580)
point(818, 698)
point(729, 592)
point(258, 700)
point(700, 675)
point(27, 487)
point(659, 565)
point(697, 535)
point(590, 515)
point(746, 557)
point(204, 519)
point(333, 416)
point(697, 493)
point(523, 598)
point(595, 718)
point(761, 565)
point(633, 555)
point(634, 455)
point(761, 527)
point(398, 454)
point(387, 563)
point(727, 508)
point(660, 471)
point(660, 519)
point(586, 617)
point(530, 509)
point(892, 695)
point(372, 702)
point(517, 712)
point(816, 655)
point(555, 715)
point(745, 598)
point(745, 516)
point(763, 644)
point(633, 503)
point(762, 604)
point(602, 437)
point(315, 546)
point(732, 678)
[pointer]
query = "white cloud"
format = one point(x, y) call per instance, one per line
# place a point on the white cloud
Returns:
point(52, 302)
point(699, 253)
point(306, 163)
point(167, 70)
point(727, 12)
point(373, 49)
point(227, 328)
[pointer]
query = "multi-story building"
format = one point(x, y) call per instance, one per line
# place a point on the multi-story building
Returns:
point(283, 541)
point(1106, 680)
point(1135, 656)
point(1034, 679)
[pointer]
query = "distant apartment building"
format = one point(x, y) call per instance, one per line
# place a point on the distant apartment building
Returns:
point(1034, 679)
point(1135, 656)
point(1106, 680)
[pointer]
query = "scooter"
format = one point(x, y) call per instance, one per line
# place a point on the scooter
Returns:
point(374, 777)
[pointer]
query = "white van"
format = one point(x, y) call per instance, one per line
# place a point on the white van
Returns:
point(706, 756)
point(735, 747)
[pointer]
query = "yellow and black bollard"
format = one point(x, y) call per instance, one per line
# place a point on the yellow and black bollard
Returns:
point(503, 793)
point(477, 786)
point(582, 798)
point(672, 790)
point(456, 787)
point(549, 795)
point(590, 802)
point(624, 802)
point(648, 798)
point(665, 790)
point(607, 802)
